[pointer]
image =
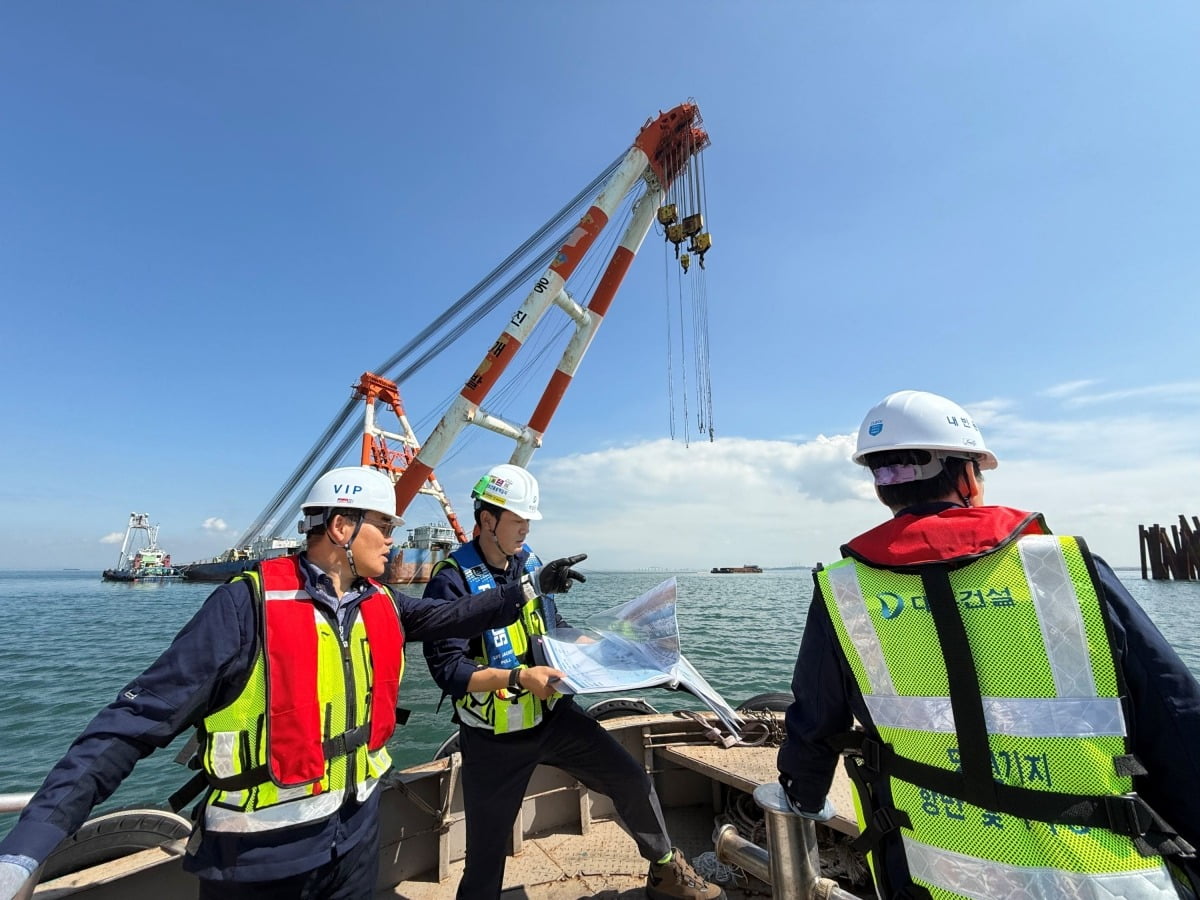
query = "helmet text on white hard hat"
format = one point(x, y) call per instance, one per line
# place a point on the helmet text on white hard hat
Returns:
point(350, 487)
point(919, 420)
point(509, 487)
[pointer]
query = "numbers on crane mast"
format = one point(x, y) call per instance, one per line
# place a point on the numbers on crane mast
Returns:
point(541, 285)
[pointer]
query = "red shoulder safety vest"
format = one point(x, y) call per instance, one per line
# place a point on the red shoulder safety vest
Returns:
point(952, 534)
point(294, 730)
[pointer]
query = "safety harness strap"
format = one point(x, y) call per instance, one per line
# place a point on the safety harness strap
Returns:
point(1128, 815)
point(347, 742)
point(343, 744)
point(966, 700)
point(190, 790)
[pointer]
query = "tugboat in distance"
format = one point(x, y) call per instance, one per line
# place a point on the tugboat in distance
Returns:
point(749, 568)
point(141, 558)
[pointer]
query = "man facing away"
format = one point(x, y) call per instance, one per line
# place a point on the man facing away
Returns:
point(290, 674)
point(1026, 730)
point(511, 718)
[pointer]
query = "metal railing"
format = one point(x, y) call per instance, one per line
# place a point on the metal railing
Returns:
point(11, 803)
point(790, 862)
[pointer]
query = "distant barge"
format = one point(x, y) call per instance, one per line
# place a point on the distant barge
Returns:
point(736, 570)
point(141, 559)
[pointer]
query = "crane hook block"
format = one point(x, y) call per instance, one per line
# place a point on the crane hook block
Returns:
point(701, 243)
point(667, 215)
point(693, 224)
point(685, 261)
point(675, 234)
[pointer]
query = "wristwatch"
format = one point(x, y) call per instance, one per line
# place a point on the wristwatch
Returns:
point(514, 679)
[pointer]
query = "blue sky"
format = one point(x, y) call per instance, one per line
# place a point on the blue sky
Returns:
point(214, 217)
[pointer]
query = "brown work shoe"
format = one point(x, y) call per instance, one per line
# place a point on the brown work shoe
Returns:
point(678, 879)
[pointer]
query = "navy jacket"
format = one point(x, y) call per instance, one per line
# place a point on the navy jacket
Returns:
point(452, 660)
point(203, 670)
point(1164, 724)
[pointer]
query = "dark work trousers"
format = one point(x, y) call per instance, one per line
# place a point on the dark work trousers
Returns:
point(496, 771)
point(351, 876)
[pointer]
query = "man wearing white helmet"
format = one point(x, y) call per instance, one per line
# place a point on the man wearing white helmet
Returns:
point(511, 718)
point(292, 710)
point(1026, 731)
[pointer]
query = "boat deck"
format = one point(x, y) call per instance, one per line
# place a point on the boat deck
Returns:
point(565, 843)
point(565, 866)
point(602, 861)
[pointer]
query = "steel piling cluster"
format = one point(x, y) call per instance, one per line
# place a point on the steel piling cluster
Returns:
point(1175, 555)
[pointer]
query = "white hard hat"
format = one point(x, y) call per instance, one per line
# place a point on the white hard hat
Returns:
point(919, 420)
point(509, 487)
point(350, 487)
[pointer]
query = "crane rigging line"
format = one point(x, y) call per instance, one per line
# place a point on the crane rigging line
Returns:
point(670, 367)
point(345, 422)
point(683, 369)
point(306, 469)
point(352, 435)
point(469, 308)
point(684, 217)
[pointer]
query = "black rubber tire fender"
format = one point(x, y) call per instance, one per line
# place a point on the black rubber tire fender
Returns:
point(616, 707)
point(776, 701)
point(449, 745)
point(112, 835)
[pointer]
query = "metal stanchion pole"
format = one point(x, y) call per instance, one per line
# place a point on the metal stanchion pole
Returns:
point(791, 863)
point(791, 844)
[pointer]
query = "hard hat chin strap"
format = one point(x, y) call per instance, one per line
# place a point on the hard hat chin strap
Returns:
point(346, 546)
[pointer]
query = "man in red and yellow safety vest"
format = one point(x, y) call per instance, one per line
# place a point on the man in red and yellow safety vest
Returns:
point(290, 674)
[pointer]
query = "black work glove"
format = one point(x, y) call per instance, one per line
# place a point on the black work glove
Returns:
point(555, 577)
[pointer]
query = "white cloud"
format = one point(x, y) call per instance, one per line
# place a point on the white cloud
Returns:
point(728, 502)
point(1183, 390)
point(777, 503)
point(113, 537)
point(214, 524)
point(1068, 387)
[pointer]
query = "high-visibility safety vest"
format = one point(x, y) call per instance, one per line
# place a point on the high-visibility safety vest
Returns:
point(312, 723)
point(503, 711)
point(1001, 762)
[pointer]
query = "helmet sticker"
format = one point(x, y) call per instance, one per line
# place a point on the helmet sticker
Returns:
point(509, 486)
point(875, 427)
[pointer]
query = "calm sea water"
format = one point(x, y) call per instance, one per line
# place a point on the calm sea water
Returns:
point(72, 641)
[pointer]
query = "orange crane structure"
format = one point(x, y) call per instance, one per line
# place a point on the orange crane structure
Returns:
point(661, 153)
point(572, 263)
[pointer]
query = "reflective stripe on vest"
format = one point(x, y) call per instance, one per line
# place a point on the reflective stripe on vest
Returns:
point(315, 715)
point(1051, 705)
point(502, 711)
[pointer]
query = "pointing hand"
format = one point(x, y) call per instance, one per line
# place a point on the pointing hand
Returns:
point(556, 577)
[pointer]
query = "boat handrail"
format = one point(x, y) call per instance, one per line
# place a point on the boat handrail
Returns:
point(11, 803)
point(790, 863)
